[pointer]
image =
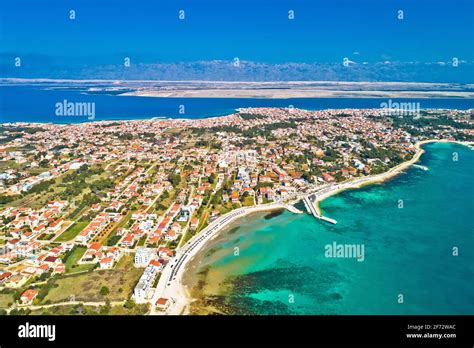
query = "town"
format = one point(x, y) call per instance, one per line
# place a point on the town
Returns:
point(91, 214)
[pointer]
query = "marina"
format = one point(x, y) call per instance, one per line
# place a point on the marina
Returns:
point(311, 205)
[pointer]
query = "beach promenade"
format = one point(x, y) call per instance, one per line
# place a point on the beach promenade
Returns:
point(170, 285)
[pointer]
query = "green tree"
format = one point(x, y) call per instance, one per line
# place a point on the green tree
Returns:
point(104, 291)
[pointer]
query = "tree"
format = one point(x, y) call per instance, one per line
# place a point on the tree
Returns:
point(212, 178)
point(106, 309)
point(129, 304)
point(104, 291)
point(175, 179)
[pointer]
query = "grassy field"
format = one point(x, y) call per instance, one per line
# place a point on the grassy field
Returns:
point(72, 231)
point(166, 202)
point(71, 262)
point(139, 309)
point(86, 286)
point(248, 201)
point(5, 300)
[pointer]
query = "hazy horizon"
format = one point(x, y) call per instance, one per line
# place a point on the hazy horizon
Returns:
point(423, 41)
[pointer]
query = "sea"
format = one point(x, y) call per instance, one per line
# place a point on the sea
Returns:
point(34, 103)
point(416, 230)
point(417, 233)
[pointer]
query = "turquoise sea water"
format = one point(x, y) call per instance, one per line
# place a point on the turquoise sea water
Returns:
point(281, 265)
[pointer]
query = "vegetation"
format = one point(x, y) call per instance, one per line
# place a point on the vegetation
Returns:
point(72, 231)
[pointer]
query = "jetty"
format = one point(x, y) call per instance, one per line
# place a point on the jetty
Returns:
point(292, 208)
point(310, 203)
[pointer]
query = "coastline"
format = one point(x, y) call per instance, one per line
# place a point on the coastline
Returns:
point(382, 177)
point(182, 292)
point(291, 93)
point(171, 285)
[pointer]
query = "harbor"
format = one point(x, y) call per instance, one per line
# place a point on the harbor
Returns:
point(311, 204)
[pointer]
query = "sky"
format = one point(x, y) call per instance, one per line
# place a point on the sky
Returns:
point(106, 31)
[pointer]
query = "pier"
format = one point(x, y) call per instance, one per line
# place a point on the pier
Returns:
point(292, 208)
point(310, 203)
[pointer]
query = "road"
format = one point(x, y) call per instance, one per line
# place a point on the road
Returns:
point(169, 285)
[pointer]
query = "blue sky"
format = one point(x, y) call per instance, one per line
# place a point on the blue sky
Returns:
point(105, 31)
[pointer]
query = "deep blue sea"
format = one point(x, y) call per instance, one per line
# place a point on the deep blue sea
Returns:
point(281, 266)
point(28, 103)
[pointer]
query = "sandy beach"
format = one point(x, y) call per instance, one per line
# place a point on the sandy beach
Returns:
point(170, 285)
point(171, 282)
point(292, 93)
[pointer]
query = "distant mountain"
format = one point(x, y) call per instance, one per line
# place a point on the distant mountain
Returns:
point(218, 70)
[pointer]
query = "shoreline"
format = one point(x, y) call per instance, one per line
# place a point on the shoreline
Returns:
point(170, 285)
point(182, 292)
point(292, 93)
point(391, 173)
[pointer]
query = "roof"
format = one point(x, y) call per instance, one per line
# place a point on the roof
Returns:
point(50, 259)
point(29, 294)
point(95, 246)
point(5, 275)
point(155, 263)
point(106, 260)
point(162, 301)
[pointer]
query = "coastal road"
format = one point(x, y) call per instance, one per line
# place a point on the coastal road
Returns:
point(170, 285)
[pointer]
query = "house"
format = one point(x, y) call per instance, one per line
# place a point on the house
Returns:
point(225, 197)
point(194, 223)
point(175, 227)
point(56, 251)
point(234, 197)
point(42, 269)
point(56, 225)
point(26, 248)
point(154, 239)
point(183, 215)
point(143, 256)
point(53, 260)
point(29, 271)
point(170, 236)
point(4, 276)
point(89, 256)
point(128, 240)
point(165, 252)
point(106, 263)
point(17, 280)
point(138, 216)
point(28, 296)
point(115, 205)
point(40, 228)
point(145, 201)
point(59, 269)
point(328, 177)
point(141, 290)
point(11, 244)
point(95, 207)
point(8, 258)
point(157, 264)
point(163, 303)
